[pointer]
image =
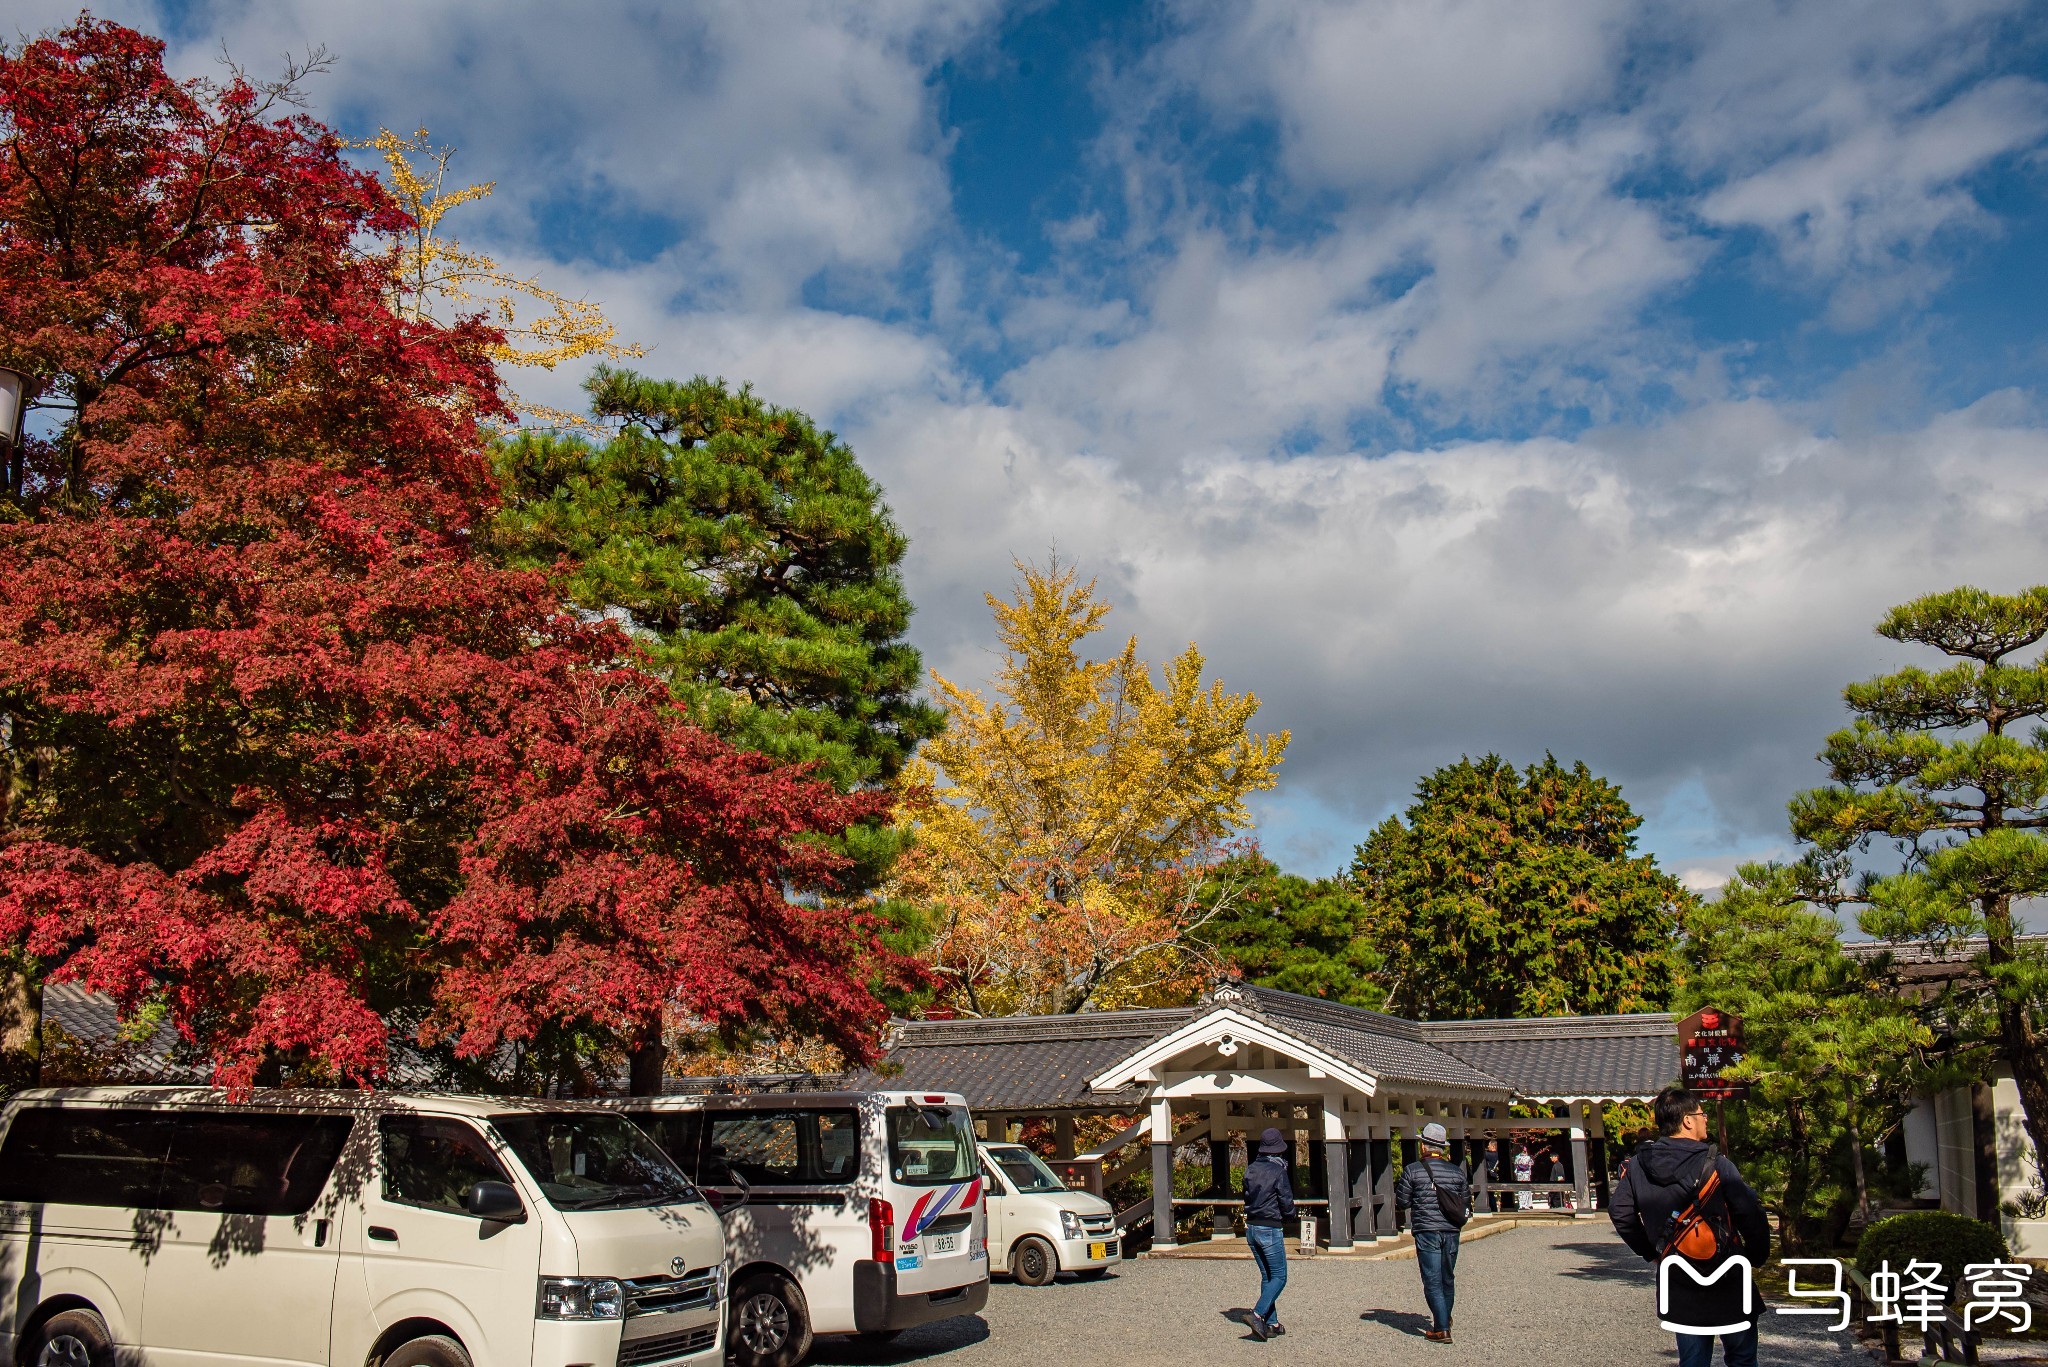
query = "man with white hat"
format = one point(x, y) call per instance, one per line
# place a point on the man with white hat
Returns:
point(1433, 1191)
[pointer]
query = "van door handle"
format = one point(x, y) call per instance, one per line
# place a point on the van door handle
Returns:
point(384, 1234)
point(320, 1233)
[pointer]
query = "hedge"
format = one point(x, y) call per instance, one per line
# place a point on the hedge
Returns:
point(1933, 1236)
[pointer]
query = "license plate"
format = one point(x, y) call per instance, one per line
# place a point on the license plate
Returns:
point(1098, 1250)
point(945, 1243)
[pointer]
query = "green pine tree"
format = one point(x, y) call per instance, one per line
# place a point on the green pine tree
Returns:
point(751, 554)
point(1935, 765)
point(1506, 893)
point(1297, 934)
point(1834, 1058)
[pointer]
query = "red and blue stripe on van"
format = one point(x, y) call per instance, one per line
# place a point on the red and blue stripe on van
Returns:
point(933, 1205)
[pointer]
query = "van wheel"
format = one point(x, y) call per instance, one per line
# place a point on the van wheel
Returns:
point(75, 1338)
point(770, 1327)
point(1032, 1261)
point(435, 1350)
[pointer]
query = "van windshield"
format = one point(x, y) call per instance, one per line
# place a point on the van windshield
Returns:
point(1026, 1172)
point(931, 1146)
point(588, 1161)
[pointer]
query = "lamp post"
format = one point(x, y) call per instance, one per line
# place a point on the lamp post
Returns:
point(14, 394)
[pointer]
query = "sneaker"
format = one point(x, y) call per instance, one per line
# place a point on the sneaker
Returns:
point(1275, 1328)
point(1437, 1335)
point(1260, 1329)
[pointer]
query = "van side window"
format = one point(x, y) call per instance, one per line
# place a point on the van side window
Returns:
point(84, 1156)
point(251, 1164)
point(784, 1147)
point(677, 1133)
point(838, 1146)
point(433, 1162)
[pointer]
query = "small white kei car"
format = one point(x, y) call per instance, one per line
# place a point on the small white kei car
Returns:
point(1037, 1226)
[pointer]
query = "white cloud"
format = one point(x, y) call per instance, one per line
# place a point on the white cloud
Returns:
point(1678, 601)
point(1381, 94)
point(1673, 604)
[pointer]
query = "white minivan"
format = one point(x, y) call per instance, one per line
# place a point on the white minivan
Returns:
point(178, 1228)
point(845, 1212)
point(1038, 1226)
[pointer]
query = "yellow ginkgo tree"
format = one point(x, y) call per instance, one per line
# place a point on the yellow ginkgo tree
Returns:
point(434, 273)
point(1068, 831)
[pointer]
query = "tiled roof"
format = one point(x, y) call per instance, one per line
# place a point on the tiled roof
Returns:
point(1557, 1058)
point(1028, 1063)
point(90, 1018)
point(1392, 1049)
point(160, 1057)
point(1022, 1062)
point(1959, 951)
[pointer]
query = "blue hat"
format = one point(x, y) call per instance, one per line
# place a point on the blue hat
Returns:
point(1272, 1141)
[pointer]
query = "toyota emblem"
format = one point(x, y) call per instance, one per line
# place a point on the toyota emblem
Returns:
point(678, 1266)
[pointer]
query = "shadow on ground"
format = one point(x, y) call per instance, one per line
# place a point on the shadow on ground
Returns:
point(926, 1342)
point(1404, 1321)
point(1605, 1263)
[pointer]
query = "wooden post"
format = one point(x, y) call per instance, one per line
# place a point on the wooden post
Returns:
point(1582, 1188)
point(1162, 1175)
point(1337, 1166)
point(1063, 1137)
point(1219, 1145)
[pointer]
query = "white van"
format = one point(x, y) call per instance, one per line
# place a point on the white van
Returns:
point(845, 1212)
point(175, 1228)
point(1038, 1226)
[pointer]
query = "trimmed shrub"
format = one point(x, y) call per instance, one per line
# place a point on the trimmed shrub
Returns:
point(1932, 1236)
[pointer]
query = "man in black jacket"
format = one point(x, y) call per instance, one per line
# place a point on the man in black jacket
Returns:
point(1268, 1202)
point(1654, 1192)
point(1424, 1186)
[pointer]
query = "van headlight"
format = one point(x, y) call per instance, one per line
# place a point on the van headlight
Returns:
point(580, 1298)
point(1070, 1224)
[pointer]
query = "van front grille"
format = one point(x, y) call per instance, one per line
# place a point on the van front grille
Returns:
point(1098, 1224)
point(641, 1352)
point(667, 1295)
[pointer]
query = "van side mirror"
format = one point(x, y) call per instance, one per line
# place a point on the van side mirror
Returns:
point(495, 1201)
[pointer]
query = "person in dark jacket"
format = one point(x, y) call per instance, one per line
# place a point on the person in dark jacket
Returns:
point(1268, 1201)
point(1653, 1191)
point(1436, 1238)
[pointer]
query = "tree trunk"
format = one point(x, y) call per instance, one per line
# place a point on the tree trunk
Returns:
point(1792, 1223)
point(2019, 1044)
point(648, 1066)
point(21, 1024)
point(1856, 1156)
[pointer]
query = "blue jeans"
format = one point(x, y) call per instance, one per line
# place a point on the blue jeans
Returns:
point(1269, 1251)
point(1737, 1350)
point(1436, 1253)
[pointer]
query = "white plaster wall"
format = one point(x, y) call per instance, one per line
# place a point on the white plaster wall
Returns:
point(1923, 1145)
point(1955, 1153)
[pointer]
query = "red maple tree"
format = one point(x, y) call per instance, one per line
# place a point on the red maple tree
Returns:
point(277, 746)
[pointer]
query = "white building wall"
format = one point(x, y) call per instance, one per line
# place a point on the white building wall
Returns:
point(2016, 1171)
point(1956, 1152)
point(1923, 1145)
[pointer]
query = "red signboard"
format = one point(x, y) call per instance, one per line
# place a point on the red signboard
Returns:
point(1710, 1043)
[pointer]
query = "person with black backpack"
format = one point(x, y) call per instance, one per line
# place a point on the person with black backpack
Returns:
point(1680, 1198)
point(1433, 1191)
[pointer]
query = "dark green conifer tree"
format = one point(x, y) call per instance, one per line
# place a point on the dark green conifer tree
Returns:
point(754, 557)
point(1939, 764)
point(1517, 893)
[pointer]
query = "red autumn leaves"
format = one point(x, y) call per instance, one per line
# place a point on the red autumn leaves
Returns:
point(280, 746)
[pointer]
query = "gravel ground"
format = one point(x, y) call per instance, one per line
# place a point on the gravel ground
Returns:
point(1571, 1296)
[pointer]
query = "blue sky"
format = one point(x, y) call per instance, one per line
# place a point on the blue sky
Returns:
point(1581, 376)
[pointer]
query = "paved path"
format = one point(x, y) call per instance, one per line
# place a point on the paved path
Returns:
point(1568, 1296)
